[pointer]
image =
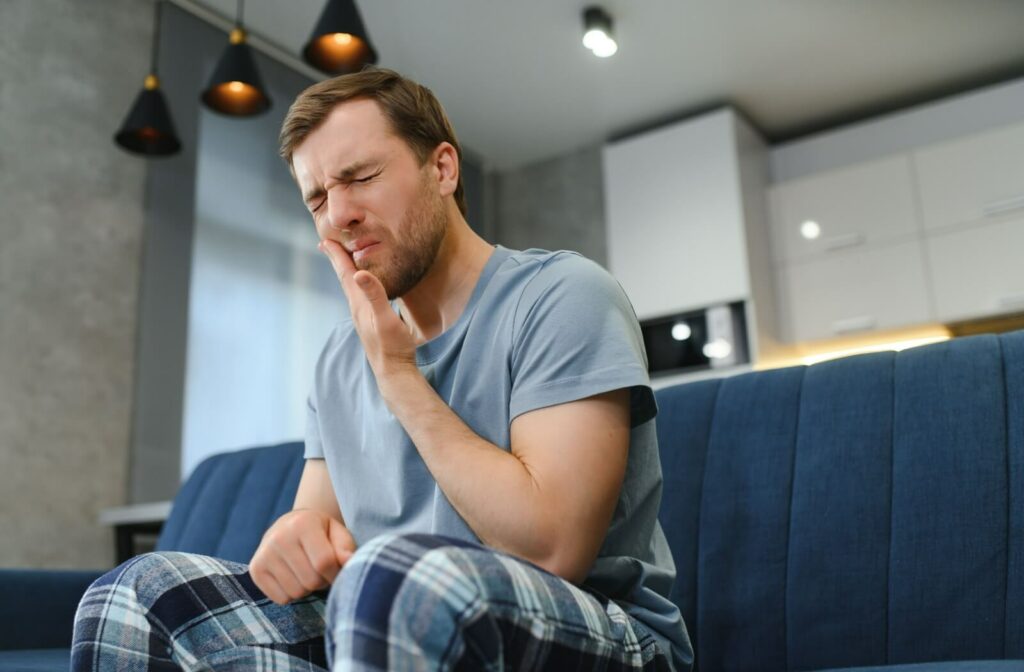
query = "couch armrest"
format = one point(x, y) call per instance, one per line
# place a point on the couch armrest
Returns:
point(38, 606)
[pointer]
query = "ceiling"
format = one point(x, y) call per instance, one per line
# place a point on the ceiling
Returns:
point(520, 87)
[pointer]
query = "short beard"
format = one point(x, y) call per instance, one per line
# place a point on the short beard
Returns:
point(415, 249)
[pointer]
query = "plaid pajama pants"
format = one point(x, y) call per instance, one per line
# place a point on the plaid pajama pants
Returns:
point(403, 602)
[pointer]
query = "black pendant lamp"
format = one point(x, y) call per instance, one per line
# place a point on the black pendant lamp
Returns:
point(148, 129)
point(339, 43)
point(236, 88)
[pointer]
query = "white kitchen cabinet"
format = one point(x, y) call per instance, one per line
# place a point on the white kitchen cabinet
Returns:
point(853, 206)
point(860, 290)
point(974, 178)
point(978, 271)
point(674, 209)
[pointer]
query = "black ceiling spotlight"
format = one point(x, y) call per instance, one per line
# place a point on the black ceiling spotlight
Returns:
point(597, 32)
point(148, 129)
point(339, 43)
point(236, 88)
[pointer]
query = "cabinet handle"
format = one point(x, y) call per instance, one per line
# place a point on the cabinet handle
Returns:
point(852, 324)
point(1012, 301)
point(840, 242)
point(1006, 205)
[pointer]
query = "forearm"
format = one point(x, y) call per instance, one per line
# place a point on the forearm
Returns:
point(491, 489)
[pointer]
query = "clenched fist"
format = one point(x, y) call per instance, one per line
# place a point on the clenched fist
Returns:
point(303, 551)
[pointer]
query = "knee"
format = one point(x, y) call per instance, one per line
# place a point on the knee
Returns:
point(144, 578)
point(135, 571)
point(402, 577)
point(130, 588)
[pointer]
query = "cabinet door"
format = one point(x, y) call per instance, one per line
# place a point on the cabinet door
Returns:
point(855, 291)
point(974, 178)
point(674, 212)
point(858, 205)
point(978, 271)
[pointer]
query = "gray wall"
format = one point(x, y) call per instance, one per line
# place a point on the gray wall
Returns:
point(71, 222)
point(555, 204)
point(166, 267)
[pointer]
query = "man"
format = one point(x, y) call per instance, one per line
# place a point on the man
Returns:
point(482, 479)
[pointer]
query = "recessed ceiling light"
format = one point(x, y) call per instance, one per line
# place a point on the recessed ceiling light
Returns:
point(810, 230)
point(681, 331)
point(597, 32)
point(717, 349)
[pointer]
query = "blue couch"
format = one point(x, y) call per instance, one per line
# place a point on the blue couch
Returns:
point(866, 512)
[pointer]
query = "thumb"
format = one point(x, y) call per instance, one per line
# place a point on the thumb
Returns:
point(341, 540)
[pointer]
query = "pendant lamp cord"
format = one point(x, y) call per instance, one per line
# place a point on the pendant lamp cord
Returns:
point(240, 12)
point(156, 37)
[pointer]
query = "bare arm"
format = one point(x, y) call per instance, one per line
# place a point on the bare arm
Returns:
point(316, 492)
point(551, 498)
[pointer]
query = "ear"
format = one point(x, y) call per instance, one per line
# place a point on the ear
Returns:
point(446, 161)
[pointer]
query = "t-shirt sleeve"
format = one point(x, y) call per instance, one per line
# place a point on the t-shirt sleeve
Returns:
point(314, 447)
point(314, 441)
point(575, 335)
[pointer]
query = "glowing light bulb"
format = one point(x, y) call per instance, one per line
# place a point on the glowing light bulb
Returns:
point(605, 48)
point(810, 230)
point(342, 38)
point(681, 331)
point(593, 38)
point(717, 349)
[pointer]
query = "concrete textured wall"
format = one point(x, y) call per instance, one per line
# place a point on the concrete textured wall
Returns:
point(557, 204)
point(71, 221)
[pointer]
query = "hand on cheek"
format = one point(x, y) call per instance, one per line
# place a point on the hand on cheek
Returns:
point(389, 346)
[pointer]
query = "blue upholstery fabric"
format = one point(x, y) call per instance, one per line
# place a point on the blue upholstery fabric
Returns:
point(36, 660)
point(29, 597)
point(231, 499)
point(860, 512)
point(1013, 368)
point(957, 666)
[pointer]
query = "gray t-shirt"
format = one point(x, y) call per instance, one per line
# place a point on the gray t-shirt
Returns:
point(540, 328)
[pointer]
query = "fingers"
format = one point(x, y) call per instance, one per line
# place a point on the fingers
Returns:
point(293, 590)
point(344, 268)
point(269, 585)
point(321, 558)
point(350, 277)
point(274, 577)
point(362, 288)
point(299, 573)
point(342, 542)
point(374, 292)
point(297, 556)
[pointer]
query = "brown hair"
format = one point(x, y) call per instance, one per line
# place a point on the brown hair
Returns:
point(412, 110)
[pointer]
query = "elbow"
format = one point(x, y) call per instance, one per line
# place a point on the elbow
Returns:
point(568, 563)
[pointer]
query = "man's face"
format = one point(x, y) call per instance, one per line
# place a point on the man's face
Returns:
point(367, 191)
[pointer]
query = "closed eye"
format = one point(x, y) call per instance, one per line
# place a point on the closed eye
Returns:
point(367, 178)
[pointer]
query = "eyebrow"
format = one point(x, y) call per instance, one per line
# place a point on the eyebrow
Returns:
point(344, 175)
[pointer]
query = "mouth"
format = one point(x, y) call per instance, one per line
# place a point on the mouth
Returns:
point(364, 250)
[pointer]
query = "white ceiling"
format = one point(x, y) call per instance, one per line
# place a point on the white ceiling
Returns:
point(520, 87)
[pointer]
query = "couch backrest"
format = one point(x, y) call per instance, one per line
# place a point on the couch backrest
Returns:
point(230, 500)
point(863, 511)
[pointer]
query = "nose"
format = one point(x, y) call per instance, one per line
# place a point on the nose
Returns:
point(342, 210)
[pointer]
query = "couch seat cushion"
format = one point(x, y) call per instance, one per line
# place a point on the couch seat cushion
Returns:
point(952, 666)
point(35, 660)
